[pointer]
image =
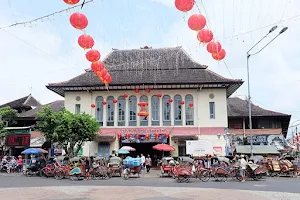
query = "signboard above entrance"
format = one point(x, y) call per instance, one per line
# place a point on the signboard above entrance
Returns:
point(143, 131)
point(199, 147)
point(18, 140)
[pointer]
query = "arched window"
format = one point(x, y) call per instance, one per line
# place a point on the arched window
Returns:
point(121, 111)
point(177, 111)
point(189, 110)
point(99, 110)
point(110, 111)
point(132, 110)
point(144, 120)
point(166, 110)
point(155, 110)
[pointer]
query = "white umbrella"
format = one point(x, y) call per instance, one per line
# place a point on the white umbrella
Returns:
point(128, 148)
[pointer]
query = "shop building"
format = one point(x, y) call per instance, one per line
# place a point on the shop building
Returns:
point(184, 101)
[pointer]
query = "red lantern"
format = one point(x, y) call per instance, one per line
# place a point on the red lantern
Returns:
point(205, 36)
point(137, 91)
point(167, 135)
point(103, 73)
point(159, 95)
point(170, 100)
point(191, 105)
point(115, 101)
point(93, 105)
point(148, 90)
point(127, 135)
point(119, 135)
point(107, 78)
point(79, 21)
point(197, 22)
point(104, 102)
point(137, 136)
point(93, 55)
point(125, 96)
point(213, 47)
point(97, 66)
point(156, 135)
point(71, 2)
point(86, 41)
point(184, 5)
point(147, 137)
point(220, 55)
point(181, 102)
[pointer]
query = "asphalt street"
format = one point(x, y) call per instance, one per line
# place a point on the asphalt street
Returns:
point(282, 184)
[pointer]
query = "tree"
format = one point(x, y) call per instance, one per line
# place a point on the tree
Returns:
point(7, 118)
point(68, 129)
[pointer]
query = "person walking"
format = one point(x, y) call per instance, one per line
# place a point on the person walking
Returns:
point(243, 165)
point(87, 168)
point(20, 163)
point(148, 163)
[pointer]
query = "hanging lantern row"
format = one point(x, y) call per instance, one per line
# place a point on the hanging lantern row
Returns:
point(85, 41)
point(197, 22)
point(143, 112)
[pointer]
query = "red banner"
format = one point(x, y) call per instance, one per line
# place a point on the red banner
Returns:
point(18, 140)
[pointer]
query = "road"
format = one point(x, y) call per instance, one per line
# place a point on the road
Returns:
point(17, 187)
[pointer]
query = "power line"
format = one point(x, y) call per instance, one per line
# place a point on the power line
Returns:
point(45, 16)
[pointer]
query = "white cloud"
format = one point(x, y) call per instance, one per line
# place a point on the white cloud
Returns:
point(274, 72)
point(165, 2)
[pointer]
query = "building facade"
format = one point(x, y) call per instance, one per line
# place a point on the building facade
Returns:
point(183, 101)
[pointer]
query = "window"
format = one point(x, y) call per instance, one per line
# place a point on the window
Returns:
point(77, 108)
point(110, 111)
point(99, 110)
point(177, 111)
point(189, 110)
point(144, 120)
point(166, 110)
point(155, 110)
point(212, 110)
point(121, 111)
point(132, 110)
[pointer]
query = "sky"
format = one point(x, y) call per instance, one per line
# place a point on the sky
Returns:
point(46, 51)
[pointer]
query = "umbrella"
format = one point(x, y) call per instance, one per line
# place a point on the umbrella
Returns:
point(32, 151)
point(123, 151)
point(163, 147)
point(43, 150)
point(128, 148)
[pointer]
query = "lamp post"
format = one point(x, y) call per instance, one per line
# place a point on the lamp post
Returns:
point(248, 74)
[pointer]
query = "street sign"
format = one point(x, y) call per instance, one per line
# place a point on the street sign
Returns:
point(199, 147)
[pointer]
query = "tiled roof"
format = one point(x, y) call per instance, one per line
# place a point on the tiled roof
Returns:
point(56, 106)
point(28, 101)
point(162, 66)
point(237, 107)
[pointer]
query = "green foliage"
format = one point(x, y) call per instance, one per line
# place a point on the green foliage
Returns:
point(8, 115)
point(68, 129)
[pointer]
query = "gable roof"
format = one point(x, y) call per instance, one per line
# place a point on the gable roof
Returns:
point(237, 107)
point(56, 107)
point(27, 101)
point(150, 67)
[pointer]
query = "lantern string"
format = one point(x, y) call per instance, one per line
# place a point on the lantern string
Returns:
point(46, 16)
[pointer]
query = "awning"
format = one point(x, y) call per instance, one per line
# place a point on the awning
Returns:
point(183, 137)
point(257, 149)
point(37, 141)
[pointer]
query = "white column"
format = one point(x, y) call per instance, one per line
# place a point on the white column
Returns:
point(183, 112)
point(198, 111)
point(149, 110)
point(160, 111)
point(127, 111)
point(138, 118)
point(104, 111)
point(116, 113)
point(172, 111)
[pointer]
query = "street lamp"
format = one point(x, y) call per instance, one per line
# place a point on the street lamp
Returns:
point(248, 76)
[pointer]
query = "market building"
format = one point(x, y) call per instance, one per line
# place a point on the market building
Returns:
point(184, 101)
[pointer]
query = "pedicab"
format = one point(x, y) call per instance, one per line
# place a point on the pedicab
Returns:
point(114, 166)
point(77, 169)
point(131, 166)
point(183, 171)
point(167, 165)
point(220, 168)
point(100, 169)
point(201, 172)
point(62, 168)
